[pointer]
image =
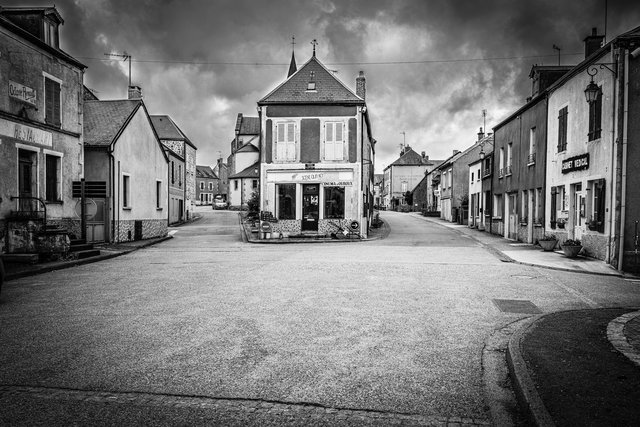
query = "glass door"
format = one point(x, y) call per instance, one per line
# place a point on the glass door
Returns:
point(310, 207)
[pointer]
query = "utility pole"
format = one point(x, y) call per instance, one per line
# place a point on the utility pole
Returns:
point(125, 56)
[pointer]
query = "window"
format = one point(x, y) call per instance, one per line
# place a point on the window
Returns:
point(53, 178)
point(562, 129)
point(524, 214)
point(51, 102)
point(158, 194)
point(487, 166)
point(50, 34)
point(254, 184)
point(595, 117)
point(126, 191)
point(532, 146)
point(286, 201)
point(334, 202)
point(404, 186)
point(235, 184)
point(285, 141)
point(478, 175)
point(173, 176)
point(509, 158)
point(538, 206)
point(596, 222)
point(557, 203)
point(501, 171)
point(201, 185)
point(211, 186)
point(334, 141)
point(180, 175)
point(450, 177)
point(497, 205)
point(472, 177)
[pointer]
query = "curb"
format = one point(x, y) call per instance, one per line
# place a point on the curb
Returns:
point(617, 338)
point(524, 387)
point(75, 263)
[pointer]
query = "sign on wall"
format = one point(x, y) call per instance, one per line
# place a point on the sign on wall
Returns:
point(575, 163)
point(330, 178)
point(22, 93)
point(25, 133)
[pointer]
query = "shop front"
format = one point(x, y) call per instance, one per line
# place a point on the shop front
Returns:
point(320, 202)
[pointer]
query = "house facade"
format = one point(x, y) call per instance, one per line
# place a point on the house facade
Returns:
point(124, 158)
point(207, 185)
point(181, 153)
point(403, 175)
point(222, 172)
point(317, 155)
point(40, 128)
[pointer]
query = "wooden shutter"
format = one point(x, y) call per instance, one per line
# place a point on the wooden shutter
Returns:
point(338, 146)
point(291, 141)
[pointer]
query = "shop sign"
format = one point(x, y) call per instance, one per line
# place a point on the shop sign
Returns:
point(25, 133)
point(22, 92)
point(333, 178)
point(576, 163)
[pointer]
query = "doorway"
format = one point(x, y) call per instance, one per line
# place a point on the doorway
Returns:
point(512, 233)
point(26, 180)
point(578, 214)
point(310, 207)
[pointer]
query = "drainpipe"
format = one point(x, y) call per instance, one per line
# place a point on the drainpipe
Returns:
point(623, 132)
point(111, 191)
point(612, 209)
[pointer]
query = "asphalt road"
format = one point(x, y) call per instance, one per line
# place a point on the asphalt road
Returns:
point(206, 329)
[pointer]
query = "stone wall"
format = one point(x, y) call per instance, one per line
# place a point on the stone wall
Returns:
point(125, 229)
point(72, 225)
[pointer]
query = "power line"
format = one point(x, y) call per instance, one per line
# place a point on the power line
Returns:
point(271, 64)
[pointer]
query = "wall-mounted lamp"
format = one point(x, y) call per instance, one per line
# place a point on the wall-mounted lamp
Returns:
point(592, 91)
point(481, 153)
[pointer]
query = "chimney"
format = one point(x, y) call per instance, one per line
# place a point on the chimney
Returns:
point(423, 154)
point(135, 92)
point(480, 134)
point(361, 89)
point(592, 43)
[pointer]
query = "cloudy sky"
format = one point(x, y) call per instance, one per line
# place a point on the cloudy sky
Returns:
point(432, 66)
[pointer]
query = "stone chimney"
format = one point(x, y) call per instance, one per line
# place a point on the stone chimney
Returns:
point(480, 134)
point(592, 43)
point(135, 92)
point(361, 89)
point(423, 154)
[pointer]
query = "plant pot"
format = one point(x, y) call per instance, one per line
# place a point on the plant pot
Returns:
point(547, 245)
point(571, 251)
point(560, 224)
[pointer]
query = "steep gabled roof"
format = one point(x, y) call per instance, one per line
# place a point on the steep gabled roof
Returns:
point(247, 125)
point(167, 129)
point(250, 172)
point(205, 172)
point(105, 120)
point(328, 89)
point(410, 158)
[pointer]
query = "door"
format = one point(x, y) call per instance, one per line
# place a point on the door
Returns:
point(310, 207)
point(25, 180)
point(578, 210)
point(513, 217)
point(95, 211)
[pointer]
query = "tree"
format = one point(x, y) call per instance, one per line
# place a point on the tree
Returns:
point(408, 197)
point(253, 204)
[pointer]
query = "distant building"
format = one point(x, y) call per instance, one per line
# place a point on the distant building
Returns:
point(207, 185)
point(222, 172)
point(403, 175)
point(241, 162)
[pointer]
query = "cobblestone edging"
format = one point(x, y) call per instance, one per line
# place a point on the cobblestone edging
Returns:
point(313, 412)
point(617, 338)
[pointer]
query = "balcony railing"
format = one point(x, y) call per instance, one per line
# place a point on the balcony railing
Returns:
point(486, 173)
point(531, 160)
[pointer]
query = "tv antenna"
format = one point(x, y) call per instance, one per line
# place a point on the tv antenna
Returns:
point(125, 56)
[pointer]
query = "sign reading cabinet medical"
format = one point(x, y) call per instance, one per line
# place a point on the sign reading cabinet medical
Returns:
point(575, 163)
point(25, 133)
point(22, 92)
point(328, 178)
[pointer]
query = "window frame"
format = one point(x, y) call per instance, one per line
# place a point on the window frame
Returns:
point(58, 176)
point(563, 128)
point(52, 109)
point(279, 196)
point(158, 194)
point(338, 146)
point(126, 191)
point(290, 151)
point(595, 118)
point(341, 208)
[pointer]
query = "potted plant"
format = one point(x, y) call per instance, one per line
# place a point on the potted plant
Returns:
point(560, 222)
point(571, 248)
point(548, 242)
point(593, 224)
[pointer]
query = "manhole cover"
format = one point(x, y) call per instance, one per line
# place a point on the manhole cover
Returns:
point(516, 306)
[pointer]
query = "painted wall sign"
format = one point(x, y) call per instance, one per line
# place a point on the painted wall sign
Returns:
point(25, 133)
point(575, 163)
point(326, 177)
point(22, 92)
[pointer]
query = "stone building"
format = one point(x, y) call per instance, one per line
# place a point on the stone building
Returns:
point(207, 185)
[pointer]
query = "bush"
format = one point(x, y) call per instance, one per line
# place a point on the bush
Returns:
point(572, 242)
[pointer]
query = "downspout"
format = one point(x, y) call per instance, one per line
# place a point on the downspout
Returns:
point(612, 205)
point(623, 131)
point(118, 182)
point(361, 195)
point(111, 191)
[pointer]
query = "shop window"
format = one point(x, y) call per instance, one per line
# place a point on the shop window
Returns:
point(52, 102)
point(597, 218)
point(286, 201)
point(595, 117)
point(334, 141)
point(334, 202)
point(562, 128)
point(557, 205)
point(53, 178)
point(285, 141)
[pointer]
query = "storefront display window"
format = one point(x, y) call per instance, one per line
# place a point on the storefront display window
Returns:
point(286, 201)
point(334, 202)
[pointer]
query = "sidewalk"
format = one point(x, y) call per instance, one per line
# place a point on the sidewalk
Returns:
point(528, 254)
point(578, 367)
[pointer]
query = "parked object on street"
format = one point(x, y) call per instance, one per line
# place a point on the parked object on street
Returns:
point(548, 242)
point(571, 248)
point(220, 203)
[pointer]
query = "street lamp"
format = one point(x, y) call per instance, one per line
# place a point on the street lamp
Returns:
point(593, 90)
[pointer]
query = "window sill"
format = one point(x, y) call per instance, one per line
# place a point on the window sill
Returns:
point(158, 209)
point(53, 202)
point(126, 208)
point(531, 164)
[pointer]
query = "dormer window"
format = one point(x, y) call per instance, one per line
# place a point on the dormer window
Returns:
point(50, 33)
point(311, 86)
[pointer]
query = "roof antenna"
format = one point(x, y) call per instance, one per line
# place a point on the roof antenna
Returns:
point(125, 56)
point(314, 43)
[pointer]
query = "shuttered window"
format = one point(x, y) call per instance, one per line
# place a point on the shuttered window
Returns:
point(595, 117)
point(562, 129)
point(334, 141)
point(52, 102)
point(286, 141)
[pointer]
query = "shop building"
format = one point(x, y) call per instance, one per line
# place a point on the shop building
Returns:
point(317, 154)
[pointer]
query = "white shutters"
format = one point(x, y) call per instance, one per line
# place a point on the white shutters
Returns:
point(334, 141)
point(286, 141)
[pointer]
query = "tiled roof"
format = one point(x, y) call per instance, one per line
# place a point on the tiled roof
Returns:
point(250, 172)
point(247, 125)
point(205, 172)
point(167, 129)
point(410, 158)
point(103, 120)
point(328, 89)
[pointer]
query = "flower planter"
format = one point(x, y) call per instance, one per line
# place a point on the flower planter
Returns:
point(571, 251)
point(547, 245)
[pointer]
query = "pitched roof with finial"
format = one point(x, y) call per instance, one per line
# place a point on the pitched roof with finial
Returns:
point(328, 89)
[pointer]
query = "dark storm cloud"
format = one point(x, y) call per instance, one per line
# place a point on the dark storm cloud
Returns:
point(182, 52)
